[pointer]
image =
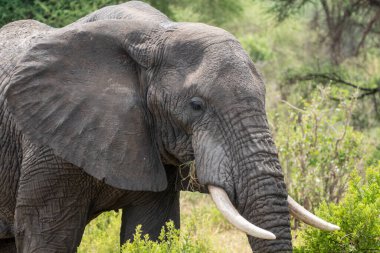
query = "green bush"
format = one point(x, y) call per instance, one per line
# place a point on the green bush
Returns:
point(102, 234)
point(169, 241)
point(257, 48)
point(58, 13)
point(358, 216)
point(201, 223)
point(318, 148)
point(203, 229)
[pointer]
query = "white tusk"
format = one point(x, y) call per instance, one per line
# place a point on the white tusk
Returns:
point(304, 215)
point(225, 206)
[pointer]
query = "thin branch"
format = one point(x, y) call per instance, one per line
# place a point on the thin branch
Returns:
point(361, 96)
point(367, 30)
point(374, 91)
point(334, 78)
point(347, 123)
point(327, 13)
point(293, 106)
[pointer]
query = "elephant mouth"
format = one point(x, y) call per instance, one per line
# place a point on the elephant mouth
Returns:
point(225, 206)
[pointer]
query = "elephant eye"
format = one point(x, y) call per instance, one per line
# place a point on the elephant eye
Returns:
point(196, 104)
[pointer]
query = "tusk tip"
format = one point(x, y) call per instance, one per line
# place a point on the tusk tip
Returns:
point(333, 227)
point(304, 215)
point(264, 234)
point(271, 236)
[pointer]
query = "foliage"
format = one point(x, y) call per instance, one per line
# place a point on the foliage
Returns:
point(318, 148)
point(355, 83)
point(201, 224)
point(257, 48)
point(59, 13)
point(53, 12)
point(346, 36)
point(202, 219)
point(206, 10)
point(337, 21)
point(102, 234)
point(169, 241)
point(359, 83)
point(357, 215)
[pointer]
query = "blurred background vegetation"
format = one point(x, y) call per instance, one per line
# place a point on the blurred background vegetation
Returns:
point(321, 63)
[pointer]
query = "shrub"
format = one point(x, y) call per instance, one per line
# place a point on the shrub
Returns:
point(59, 13)
point(102, 234)
point(53, 12)
point(257, 48)
point(169, 241)
point(357, 215)
point(203, 227)
point(318, 148)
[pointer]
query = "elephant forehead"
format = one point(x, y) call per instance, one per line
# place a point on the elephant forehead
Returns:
point(187, 42)
point(225, 73)
point(211, 61)
point(197, 32)
point(196, 60)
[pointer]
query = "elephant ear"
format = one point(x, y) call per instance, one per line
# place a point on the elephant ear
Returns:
point(79, 91)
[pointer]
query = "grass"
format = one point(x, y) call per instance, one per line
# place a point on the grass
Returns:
point(200, 220)
point(199, 209)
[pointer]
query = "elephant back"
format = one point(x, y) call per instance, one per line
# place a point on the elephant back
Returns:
point(132, 10)
point(15, 39)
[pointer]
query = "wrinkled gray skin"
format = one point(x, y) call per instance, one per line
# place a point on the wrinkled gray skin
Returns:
point(97, 116)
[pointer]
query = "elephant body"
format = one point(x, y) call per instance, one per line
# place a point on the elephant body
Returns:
point(97, 116)
point(57, 195)
point(59, 198)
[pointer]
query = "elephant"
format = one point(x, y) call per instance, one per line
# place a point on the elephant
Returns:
point(100, 114)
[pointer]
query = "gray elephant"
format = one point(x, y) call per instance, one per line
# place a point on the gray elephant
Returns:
point(98, 115)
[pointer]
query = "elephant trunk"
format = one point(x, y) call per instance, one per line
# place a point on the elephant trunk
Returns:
point(262, 199)
point(247, 169)
point(261, 194)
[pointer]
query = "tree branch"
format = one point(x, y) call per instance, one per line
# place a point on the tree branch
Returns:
point(328, 78)
point(367, 31)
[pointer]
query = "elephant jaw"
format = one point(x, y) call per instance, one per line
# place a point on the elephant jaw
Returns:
point(223, 203)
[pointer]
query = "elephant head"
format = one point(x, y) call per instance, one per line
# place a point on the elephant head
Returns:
point(124, 91)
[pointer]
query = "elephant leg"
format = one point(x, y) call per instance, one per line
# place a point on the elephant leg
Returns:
point(52, 204)
point(152, 210)
point(152, 216)
point(8, 245)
